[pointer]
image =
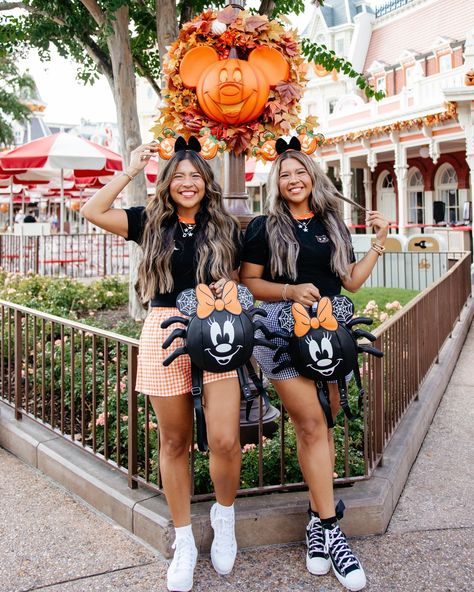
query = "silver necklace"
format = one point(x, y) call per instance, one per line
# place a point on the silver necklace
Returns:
point(303, 224)
point(187, 229)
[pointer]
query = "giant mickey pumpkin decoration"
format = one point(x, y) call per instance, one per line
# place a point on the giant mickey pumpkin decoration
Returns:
point(233, 91)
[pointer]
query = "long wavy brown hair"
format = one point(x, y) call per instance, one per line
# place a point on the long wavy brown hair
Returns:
point(323, 201)
point(216, 248)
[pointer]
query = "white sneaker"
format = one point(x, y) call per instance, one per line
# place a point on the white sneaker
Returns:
point(224, 545)
point(181, 570)
point(347, 568)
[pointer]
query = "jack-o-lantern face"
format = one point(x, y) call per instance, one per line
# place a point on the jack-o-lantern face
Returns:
point(469, 78)
point(166, 147)
point(233, 91)
point(267, 150)
point(209, 144)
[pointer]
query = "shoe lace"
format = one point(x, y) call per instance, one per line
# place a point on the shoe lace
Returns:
point(183, 558)
point(340, 550)
point(223, 532)
point(315, 537)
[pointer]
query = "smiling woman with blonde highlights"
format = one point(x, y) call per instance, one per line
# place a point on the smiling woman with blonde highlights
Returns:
point(187, 238)
point(300, 252)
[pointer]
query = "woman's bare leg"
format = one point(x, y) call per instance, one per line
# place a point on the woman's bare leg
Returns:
point(175, 422)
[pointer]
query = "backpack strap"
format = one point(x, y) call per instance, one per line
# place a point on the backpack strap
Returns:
point(341, 383)
point(196, 391)
point(258, 382)
point(323, 396)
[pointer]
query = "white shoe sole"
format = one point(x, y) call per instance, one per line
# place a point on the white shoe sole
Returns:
point(220, 571)
point(322, 571)
point(343, 581)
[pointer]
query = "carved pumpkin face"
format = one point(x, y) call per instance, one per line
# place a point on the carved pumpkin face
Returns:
point(166, 148)
point(308, 143)
point(209, 144)
point(469, 78)
point(267, 150)
point(232, 91)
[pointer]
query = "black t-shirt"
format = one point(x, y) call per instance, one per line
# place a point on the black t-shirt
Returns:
point(314, 260)
point(183, 262)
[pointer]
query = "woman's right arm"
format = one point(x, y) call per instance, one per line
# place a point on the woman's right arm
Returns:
point(98, 208)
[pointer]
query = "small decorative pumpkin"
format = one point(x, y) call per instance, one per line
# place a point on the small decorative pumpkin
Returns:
point(267, 150)
point(166, 147)
point(309, 141)
point(209, 143)
point(75, 206)
point(4, 208)
point(233, 91)
point(469, 78)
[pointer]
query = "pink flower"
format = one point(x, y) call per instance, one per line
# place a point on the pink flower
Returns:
point(383, 316)
point(152, 425)
point(248, 447)
point(100, 421)
point(124, 417)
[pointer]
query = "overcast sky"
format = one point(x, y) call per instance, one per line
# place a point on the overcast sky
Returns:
point(69, 101)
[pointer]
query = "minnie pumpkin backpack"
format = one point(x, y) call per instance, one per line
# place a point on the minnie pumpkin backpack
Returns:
point(219, 336)
point(322, 346)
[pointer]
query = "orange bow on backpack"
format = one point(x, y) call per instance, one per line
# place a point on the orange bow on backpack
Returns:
point(207, 303)
point(324, 318)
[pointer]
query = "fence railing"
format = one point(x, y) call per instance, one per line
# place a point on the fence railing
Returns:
point(75, 255)
point(78, 381)
point(410, 270)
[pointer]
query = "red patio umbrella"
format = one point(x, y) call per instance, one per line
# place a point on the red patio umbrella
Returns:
point(63, 151)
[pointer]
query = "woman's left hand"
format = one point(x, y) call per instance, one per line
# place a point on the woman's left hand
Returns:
point(218, 286)
point(379, 223)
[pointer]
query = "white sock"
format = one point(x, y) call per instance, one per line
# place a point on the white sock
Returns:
point(225, 510)
point(184, 532)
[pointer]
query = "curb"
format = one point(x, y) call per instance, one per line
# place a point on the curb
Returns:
point(262, 520)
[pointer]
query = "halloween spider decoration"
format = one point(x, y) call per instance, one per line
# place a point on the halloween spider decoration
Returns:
point(233, 91)
point(219, 336)
point(324, 347)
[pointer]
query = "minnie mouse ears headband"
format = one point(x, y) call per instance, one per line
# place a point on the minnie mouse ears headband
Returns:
point(282, 145)
point(192, 144)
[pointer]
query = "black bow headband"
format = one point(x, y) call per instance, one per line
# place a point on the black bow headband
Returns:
point(192, 144)
point(282, 145)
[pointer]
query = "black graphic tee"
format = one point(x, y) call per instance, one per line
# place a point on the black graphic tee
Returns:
point(314, 260)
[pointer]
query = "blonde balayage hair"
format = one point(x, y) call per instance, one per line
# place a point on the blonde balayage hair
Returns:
point(323, 201)
point(215, 240)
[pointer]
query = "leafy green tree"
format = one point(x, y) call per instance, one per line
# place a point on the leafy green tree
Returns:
point(12, 88)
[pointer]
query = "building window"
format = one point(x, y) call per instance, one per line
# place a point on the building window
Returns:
point(409, 76)
point(416, 198)
point(380, 84)
point(340, 46)
point(332, 105)
point(445, 62)
point(448, 193)
point(387, 183)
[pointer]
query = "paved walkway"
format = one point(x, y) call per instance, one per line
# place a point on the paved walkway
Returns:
point(50, 541)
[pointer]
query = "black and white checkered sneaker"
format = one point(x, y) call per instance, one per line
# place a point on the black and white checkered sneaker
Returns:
point(345, 564)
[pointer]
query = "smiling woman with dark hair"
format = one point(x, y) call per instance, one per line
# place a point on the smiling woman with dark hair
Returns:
point(187, 238)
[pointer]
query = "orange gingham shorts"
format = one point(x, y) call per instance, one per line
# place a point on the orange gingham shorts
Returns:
point(153, 378)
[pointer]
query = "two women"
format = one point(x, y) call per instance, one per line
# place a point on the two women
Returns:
point(299, 252)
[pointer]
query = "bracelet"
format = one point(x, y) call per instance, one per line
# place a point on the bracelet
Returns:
point(131, 177)
point(379, 249)
point(283, 292)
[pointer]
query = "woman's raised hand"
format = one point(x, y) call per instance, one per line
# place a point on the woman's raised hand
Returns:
point(306, 294)
point(140, 157)
point(379, 224)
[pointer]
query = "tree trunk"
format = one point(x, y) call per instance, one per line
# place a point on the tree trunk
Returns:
point(129, 130)
point(166, 25)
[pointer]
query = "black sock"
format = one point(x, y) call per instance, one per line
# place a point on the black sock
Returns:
point(312, 513)
point(329, 523)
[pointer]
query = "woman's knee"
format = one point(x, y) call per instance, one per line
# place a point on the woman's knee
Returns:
point(311, 430)
point(224, 444)
point(174, 445)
